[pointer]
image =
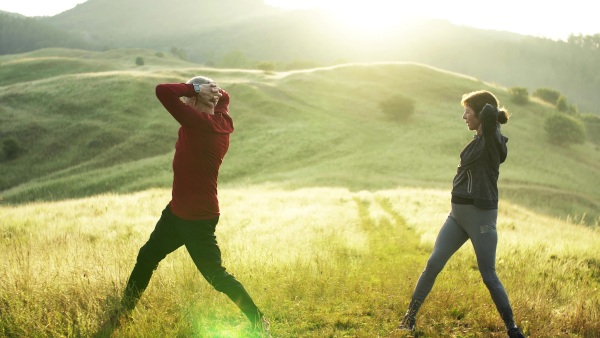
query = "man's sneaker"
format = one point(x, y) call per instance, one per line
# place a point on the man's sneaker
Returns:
point(407, 324)
point(263, 328)
point(515, 333)
point(114, 321)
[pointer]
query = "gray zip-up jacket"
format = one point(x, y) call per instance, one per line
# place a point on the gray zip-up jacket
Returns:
point(477, 174)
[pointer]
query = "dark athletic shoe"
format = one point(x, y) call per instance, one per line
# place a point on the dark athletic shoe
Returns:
point(263, 328)
point(114, 321)
point(515, 333)
point(407, 324)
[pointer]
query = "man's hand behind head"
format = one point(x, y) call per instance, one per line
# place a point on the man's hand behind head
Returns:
point(209, 94)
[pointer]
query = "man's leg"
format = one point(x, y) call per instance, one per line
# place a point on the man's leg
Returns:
point(163, 240)
point(201, 243)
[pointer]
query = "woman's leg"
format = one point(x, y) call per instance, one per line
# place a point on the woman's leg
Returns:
point(480, 224)
point(450, 238)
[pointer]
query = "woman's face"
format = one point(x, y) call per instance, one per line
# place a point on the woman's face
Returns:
point(472, 121)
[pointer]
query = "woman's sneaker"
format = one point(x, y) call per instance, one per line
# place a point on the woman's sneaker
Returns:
point(515, 333)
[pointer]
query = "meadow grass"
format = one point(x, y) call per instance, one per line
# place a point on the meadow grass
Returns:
point(321, 262)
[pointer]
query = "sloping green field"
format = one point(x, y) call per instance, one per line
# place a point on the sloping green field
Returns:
point(90, 123)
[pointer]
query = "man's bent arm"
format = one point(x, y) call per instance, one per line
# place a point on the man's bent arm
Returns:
point(169, 95)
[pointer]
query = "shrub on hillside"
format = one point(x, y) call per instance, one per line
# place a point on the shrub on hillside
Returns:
point(11, 148)
point(301, 64)
point(139, 61)
point(179, 53)
point(235, 59)
point(398, 107)
point(267, 67)
point(573, 110)
point(592, 126)
point(564, 130)
point(547, 95)
point(561, 104)
point(519, 95)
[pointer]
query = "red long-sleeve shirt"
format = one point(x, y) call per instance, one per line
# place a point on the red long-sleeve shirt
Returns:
point(201, 146)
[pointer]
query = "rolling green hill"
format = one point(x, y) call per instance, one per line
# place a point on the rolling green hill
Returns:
point(234, 33)
point(88, 123)
point(209, 31)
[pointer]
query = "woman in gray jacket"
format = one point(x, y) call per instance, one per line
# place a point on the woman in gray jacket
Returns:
point(474, 208)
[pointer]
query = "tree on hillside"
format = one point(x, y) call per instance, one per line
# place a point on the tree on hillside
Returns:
point(547, 95)
point(179, 53)
point(561, 104)
point(11, 148)
point(23, 34)
point(267, 67)
point(398, 107)
point(519, 95)
point(564, 130)
point(139, 61)
point(573, 110)
point(592, 125)
point(591, 42)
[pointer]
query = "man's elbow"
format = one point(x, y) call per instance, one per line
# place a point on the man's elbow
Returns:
point(159, 90)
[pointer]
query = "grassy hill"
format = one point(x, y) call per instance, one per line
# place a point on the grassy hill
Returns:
point(88, 123)
point(321, 262)
point(127, 22)
point(210, 32)
point(231, 33)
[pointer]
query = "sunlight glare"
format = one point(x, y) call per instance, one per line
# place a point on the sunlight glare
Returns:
point(359, 17)
point(373, 17)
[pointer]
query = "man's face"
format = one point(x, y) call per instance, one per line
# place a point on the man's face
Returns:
point(206, 100)
point(201, 101)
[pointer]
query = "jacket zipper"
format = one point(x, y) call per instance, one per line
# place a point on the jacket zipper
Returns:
point(470, 181)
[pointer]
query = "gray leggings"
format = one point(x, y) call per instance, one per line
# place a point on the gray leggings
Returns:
point(479, 225)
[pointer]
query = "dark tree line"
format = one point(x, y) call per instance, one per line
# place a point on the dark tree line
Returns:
point(23, 34)
point(591, 42)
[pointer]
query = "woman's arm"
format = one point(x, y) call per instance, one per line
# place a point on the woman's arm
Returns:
point(489, 119)
point(495, 143)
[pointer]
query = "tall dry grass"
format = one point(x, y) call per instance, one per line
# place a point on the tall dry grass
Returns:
point(320, 262)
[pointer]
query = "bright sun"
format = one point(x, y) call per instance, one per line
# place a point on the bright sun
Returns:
point(361, 17)
point(374, 16)
point(378, 16)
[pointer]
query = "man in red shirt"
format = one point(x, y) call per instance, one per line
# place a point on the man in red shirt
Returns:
point(191, 217)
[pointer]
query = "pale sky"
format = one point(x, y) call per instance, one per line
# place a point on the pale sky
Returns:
point(552, 19)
